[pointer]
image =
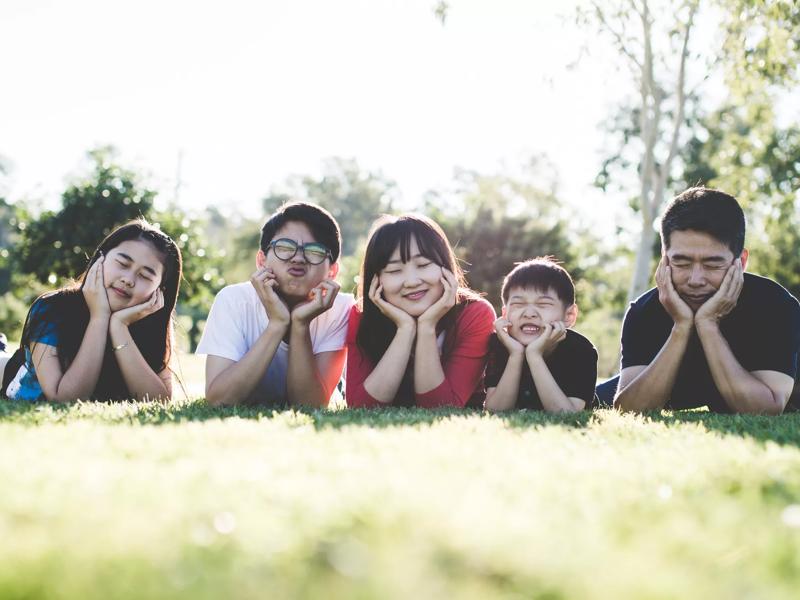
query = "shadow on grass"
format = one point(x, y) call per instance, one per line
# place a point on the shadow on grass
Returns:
point(784, 429)
point(153, 413)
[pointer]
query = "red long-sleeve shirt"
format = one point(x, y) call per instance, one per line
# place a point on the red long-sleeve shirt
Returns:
point(463, 369)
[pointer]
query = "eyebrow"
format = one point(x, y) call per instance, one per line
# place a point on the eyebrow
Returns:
point(145, 267)
point(704, 259)
point(398, 261)
point(542, 297)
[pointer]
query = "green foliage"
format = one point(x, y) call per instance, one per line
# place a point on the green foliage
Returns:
point(203, 267)
point(496, 221)
point(56, 246)
point(745, 153)
point(188, 501)
point(761, 48)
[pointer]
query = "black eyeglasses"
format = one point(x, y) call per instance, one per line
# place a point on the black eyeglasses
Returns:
point(314, 252)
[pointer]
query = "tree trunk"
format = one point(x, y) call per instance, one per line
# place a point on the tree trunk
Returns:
point(644, 257)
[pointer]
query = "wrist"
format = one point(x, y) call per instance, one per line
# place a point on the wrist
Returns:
point(683, 328)
point(278, 326)
point(706, 326)
point(115, 323)
point(298, 324)
point(102, 317)
point(534, 355)
point(426, 326)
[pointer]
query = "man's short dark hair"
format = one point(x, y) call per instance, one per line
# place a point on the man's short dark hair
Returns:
point(319, 221)
point(542, 273)
point(709, 211)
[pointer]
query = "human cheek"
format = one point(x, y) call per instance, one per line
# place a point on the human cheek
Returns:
point(392, 284)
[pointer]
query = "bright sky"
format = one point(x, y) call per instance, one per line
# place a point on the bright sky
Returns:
point(252, 92)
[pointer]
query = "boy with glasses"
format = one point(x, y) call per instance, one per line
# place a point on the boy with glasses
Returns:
point(280, 338)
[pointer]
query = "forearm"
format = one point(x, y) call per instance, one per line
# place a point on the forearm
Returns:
point(236, 383)
point(651, 389)
point(504, 396)
point(553, 399)
point(142, 382)
point(741, 391)
point(385, 379)
point(80, 379)
point(303, 382)
point(428, 371)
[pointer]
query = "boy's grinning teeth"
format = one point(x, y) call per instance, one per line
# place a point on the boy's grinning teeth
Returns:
point(530, 329)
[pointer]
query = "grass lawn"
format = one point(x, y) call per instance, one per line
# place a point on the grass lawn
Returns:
point(145, 501)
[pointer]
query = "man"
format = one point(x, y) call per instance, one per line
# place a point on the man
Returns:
point(280, 338)
point(708, 334)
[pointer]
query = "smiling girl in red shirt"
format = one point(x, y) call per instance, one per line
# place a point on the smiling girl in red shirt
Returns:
point(419, 335)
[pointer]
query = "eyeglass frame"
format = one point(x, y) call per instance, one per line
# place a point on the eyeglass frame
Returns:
point(299, 247)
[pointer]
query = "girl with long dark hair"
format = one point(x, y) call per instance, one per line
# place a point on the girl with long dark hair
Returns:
point(419, 336)
point(108, 336)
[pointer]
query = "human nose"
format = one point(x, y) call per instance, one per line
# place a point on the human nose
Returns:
point(697, 277)
point(529, 311)
point(412, 278)
point(299, 255)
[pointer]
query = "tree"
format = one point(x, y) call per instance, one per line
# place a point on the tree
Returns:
point(742, 150)
point(57, 244)
point(495, 221)
point(654, 41)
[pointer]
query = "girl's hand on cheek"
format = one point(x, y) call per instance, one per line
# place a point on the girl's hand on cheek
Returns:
point(94, 291)
point(397, 315)
point(129, 316)
point(440, 308)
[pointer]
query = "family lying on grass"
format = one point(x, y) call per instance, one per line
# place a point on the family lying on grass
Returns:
point(708, 334)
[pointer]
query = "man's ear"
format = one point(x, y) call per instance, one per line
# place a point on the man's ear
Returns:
point(571, 315)
point(745, 254)
point(261, 259)
point(334, 270)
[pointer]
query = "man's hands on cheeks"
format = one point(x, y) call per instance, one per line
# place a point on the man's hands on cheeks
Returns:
point(128, 316)
point(320, 299)
point(440, 308)
point(94, 291)
point(676, 308)
point(724, 299)
point(265, 283)
point(512, 345)
point(552, 335)
point(397, 315)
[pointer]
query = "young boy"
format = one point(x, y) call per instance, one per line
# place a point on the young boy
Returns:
point(280, 338)
point(535, 360)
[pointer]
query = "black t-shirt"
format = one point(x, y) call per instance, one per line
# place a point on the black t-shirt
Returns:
point(763, 332)
point(573, 365)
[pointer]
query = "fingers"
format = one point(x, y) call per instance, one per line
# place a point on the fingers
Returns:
point(662, 265)
point(559, 331)
point(329, 291)
point(501, 327)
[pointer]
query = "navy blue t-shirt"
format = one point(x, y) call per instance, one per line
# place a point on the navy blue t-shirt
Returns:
point(763, 332)
point(573, 365)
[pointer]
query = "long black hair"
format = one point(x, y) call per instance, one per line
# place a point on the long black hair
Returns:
point(152, 334)
point(388, 233)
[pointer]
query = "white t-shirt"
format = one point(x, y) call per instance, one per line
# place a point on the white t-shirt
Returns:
point(237, 319)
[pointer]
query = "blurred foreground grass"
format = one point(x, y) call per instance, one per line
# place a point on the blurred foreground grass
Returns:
point(188, 501)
